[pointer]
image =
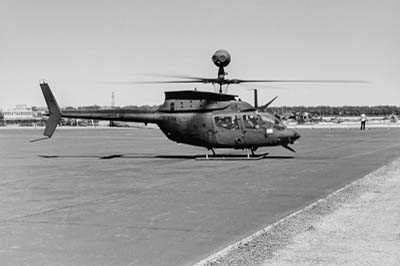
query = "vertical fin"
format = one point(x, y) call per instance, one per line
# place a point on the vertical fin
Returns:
point(54, 111)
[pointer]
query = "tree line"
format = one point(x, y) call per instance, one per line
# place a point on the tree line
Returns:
point(379, 110)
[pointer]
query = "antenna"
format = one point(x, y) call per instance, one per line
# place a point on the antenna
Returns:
point(112, 100)
point(255, 99)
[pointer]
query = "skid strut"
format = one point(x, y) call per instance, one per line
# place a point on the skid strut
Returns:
point(250, 155)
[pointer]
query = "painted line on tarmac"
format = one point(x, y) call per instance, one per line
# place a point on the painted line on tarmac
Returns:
point(213, 258)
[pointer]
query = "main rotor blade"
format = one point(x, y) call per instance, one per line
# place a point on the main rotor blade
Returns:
point(266, 87)
point(238, 81)
point(173, 76)
point(235, 81)
point(289, 148)
point(159, 82)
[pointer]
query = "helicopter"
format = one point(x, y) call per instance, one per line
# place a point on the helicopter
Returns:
point(210, 120)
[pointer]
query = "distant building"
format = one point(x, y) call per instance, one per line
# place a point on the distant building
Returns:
point(22, 115)
point(1, 118)
point(393, 118)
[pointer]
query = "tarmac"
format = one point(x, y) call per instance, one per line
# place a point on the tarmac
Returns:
point(131, 197)
point(355, 225)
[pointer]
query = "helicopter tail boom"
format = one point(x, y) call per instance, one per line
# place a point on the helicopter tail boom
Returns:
point(117, 114)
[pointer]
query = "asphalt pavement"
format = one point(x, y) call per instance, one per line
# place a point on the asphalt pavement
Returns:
point(131, 197)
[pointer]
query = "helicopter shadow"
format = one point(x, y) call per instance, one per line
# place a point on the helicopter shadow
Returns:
point(172, 156)
point(120, 156)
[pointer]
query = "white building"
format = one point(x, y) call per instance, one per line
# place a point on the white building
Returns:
point(21, 115)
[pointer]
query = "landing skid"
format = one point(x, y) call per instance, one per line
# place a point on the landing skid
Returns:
point(233, 157)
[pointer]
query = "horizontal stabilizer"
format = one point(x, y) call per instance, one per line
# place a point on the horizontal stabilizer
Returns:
point(54, 110)
point(39, 139)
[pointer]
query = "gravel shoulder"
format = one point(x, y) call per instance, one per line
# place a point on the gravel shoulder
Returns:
point(356, 225)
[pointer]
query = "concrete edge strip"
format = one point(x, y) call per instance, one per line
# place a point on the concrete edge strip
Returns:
point(225, 251)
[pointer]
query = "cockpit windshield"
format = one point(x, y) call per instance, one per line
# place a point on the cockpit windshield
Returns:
point(255, 121)
point(271, 119)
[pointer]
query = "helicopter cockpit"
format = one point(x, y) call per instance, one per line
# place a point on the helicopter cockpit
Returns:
point(250, 121)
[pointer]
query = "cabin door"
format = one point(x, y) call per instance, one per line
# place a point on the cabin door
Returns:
point(253, 130)
point(228, 130)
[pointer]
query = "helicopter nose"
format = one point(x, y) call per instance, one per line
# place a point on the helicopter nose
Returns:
point(296, 135)
point(293, 136)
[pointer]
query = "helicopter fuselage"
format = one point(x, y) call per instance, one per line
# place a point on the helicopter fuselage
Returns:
point(227, 128)
point(215, 120)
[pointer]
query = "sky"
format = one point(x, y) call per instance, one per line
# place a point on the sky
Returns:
point(79, 47)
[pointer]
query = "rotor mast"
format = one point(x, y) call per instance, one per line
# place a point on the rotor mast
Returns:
point(221, 59)
point(221, 78)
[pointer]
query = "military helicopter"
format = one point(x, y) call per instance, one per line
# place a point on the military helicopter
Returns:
point(206, 119)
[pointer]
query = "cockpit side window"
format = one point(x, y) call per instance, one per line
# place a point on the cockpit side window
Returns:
point(227, 122)
point(251, 121)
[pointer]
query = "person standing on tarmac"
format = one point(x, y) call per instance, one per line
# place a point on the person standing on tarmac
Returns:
point(363, 120)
